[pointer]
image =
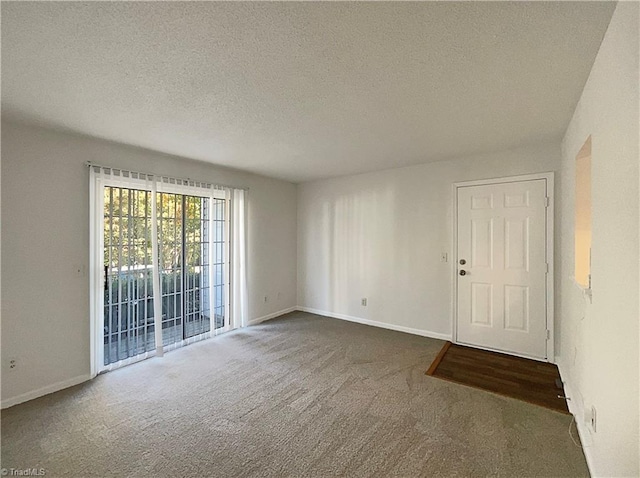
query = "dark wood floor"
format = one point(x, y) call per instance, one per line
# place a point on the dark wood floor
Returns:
point(524, 379)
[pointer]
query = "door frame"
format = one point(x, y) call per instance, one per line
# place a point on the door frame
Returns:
point(96, 258)
point(549, 213)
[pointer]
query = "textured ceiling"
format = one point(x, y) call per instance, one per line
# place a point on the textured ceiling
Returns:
point(302, 91)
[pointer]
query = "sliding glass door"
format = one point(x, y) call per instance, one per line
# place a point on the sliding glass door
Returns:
point(192, 241)
point(128, 291)
point(185, 247)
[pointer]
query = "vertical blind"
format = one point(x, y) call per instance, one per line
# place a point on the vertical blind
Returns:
point(198, 280)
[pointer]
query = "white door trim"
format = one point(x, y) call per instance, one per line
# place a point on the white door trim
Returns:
point(549, 213)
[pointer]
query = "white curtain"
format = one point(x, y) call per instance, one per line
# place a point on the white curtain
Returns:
point(155, 256)
point(239, 261)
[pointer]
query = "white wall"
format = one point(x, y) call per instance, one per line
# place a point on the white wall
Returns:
point(45, 222)
point(380, 236)
point(599, 340)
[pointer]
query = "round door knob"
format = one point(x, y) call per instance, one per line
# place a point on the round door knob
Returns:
point(463, 273)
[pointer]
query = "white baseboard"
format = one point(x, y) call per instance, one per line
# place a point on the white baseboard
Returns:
point(272, 316)
point(576, 408)
point(40, 392)
point(383, 325)
point(83, 378)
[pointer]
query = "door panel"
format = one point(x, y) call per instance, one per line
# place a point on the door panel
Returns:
point(128, 299)
point(481, 304)
point(502, 294)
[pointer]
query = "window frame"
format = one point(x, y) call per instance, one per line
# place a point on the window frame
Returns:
point(583, 213)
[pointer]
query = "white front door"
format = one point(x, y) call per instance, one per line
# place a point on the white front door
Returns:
point(502, 267)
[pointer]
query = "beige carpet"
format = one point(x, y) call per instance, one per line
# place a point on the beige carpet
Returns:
point(297, 396)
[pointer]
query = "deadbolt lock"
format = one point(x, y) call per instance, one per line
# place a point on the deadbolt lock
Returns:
point(462, 262)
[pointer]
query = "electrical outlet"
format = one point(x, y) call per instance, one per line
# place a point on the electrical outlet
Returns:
point(13, 363)
point(266, 299)
point(364, 302)
point(444, 257)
